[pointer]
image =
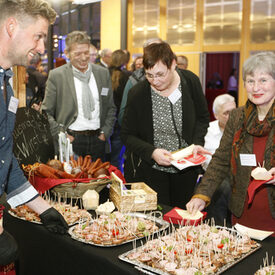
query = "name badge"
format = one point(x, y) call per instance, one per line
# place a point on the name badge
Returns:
point(175, 96)
point(248, 159)
point(13, 104)
point(104, 91)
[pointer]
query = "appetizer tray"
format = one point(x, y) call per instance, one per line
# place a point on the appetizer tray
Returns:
point(200, 250)
point(117, 228)
point(71, 214)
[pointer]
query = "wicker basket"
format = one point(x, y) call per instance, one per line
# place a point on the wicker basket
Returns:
point(131, 202)
point(77, 189)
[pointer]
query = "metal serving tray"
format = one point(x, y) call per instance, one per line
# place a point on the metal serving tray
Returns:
point(144, 268)
point(158, 220)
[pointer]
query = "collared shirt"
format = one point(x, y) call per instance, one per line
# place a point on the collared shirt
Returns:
point(12, 179)
point(81, 123)
point(212, 140)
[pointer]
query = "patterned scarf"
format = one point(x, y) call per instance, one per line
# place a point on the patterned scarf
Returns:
point(88, 103)
point(254, 127)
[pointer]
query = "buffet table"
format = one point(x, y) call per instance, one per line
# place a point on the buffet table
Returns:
point(42, 252)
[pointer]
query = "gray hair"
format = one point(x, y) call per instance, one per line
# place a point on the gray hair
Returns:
point(220, 100)
point(263, 61)
point(24, 9)
point(105, 52)
point(77, 37)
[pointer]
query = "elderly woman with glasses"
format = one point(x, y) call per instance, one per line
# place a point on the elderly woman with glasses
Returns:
point(164, 113)
point(248, 141)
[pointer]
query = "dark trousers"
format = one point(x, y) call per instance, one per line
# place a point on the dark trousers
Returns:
point(174, 189)
point(89, 145)
point(117, 150)
point(218, 208)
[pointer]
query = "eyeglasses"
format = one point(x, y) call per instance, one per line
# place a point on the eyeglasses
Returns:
point(262, 82)
point(159, 75)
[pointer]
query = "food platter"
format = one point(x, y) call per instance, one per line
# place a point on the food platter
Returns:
point(187, 261)
point(71, 214)
point(117, 229)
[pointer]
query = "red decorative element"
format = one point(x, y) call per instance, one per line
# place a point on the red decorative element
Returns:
point(2, 207)
point(253, 186)
point(174, 217)
point(7, 269)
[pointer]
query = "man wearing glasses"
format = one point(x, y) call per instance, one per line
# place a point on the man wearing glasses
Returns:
point(164, 113)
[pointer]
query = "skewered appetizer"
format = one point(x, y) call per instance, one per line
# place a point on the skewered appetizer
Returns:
point(114, 229)
point(71, 214)
point(193, 250)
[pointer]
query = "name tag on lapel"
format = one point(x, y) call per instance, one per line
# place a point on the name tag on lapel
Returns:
point(13, 104)
point(248, 159)
point(104, 91)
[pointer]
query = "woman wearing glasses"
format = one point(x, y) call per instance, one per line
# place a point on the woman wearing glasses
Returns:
point(248, 141)
point(164, 113)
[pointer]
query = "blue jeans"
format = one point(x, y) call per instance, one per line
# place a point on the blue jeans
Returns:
point(117, 149)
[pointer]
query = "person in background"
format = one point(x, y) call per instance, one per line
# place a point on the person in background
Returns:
point(137, 76)
point(137, 64)
point(105, 58)
point(126, 61)
point(119, 80)
point(232, 86)
point(248, 140)
point(28, 21)
point(182, 62)
point(36, 103)
point(59, 61)
point(164, 113)
point(215, 82)
point(222, 106)
point(93, 54)
point(36, 81)
point(79, 100)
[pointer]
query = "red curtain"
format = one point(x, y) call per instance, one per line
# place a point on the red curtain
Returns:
point(223, 64)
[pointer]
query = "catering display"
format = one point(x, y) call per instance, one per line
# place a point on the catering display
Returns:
point(71, 214)
point(140, 197)
point(267, 268)
point(69, 179)
point(117, 228)
point(201, 249)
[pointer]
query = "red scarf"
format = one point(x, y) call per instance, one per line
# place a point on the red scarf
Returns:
point(252, 126)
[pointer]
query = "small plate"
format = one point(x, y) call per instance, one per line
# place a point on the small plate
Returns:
point(253, 233)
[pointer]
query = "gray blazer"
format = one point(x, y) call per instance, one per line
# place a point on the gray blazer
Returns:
point(60, 102)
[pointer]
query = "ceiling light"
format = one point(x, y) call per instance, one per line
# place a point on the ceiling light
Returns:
point(84, 2)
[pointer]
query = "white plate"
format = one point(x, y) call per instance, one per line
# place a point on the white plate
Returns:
point(253, 233)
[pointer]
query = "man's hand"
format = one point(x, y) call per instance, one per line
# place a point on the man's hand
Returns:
point(102, 137)
point(54, 221)
point(272, 172)
point(162, 157)
point(71, 138)
point(195, 205)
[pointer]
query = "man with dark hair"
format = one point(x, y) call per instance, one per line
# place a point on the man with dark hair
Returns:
point(23, 31)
